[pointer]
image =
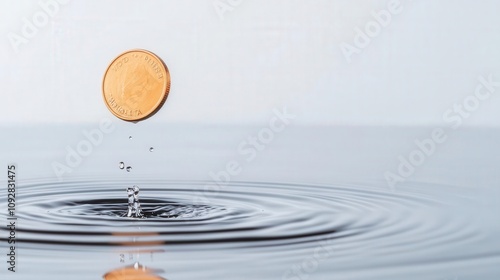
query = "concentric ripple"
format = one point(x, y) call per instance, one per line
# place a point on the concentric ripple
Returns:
point(237, 215)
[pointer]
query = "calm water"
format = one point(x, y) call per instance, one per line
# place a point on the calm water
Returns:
point(310, 204)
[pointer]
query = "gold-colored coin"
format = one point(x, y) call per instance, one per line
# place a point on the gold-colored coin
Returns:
point(135, 85)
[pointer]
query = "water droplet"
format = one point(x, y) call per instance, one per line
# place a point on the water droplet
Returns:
point(130, 137)
point(151, 149)
point(122, 165)
point(129, 168)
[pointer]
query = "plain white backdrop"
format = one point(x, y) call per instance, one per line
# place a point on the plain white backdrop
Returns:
point(234, 61)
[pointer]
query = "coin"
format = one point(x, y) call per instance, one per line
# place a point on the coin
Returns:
point(135, 85)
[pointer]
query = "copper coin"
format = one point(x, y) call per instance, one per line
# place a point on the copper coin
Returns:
point(135, 85)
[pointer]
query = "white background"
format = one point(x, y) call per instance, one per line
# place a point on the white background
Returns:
point(237, 66)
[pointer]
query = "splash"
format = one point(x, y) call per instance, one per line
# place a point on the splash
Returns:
point(134, 207)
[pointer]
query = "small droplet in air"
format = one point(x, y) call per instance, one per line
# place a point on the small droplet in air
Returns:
point(151, 149)
point(130, 137)
point(122, 165)
point(129, 168)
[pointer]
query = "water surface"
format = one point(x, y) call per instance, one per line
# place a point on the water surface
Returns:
point(313, 204)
